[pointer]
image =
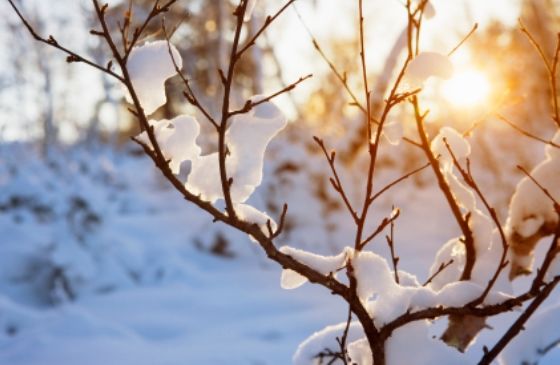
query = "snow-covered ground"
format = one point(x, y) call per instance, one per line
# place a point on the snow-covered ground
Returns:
point(101, 263)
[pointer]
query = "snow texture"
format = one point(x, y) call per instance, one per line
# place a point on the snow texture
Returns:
point(457, 143)
point(250, 214)
point(426, 65)
point(323, 264)
point(149, 66)
point(139, 258)
point(325, 339)
point(413, 344)
point(373, 275)
point(531, 213)
point(176, 139)
point(247, 138)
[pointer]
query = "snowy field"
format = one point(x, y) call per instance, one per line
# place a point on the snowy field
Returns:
point(102, 264)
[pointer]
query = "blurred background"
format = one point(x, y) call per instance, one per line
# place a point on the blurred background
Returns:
point(83, 213)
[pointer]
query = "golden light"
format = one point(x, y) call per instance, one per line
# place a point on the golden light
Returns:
point(466, 88)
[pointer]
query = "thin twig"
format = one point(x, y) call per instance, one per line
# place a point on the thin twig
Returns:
point(469, 179)
point(391, 243)
point(384, 223)
point(441, 268)
point(335, 181)
point(465, 38)
point(395, 182)
point(251, 104)
point(517, 326)
point(269, 20)
point(51, 41)
point(526, 133)
point(542, 188)
point(189, 93)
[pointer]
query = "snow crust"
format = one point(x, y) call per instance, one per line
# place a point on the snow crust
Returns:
point(149, 66)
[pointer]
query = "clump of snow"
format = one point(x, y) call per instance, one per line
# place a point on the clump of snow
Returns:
point(325, 339)
point(249, 9)
point(410, 344)
point(531, 213)
point(176, 138)
point(247, 138)
point(373, 275)
point(486, 239)
point(413, 344)
point(204, 178)
point(149, 66)
point(463, 195)
point(359, 352)
point(457, 143)
point(323, 264)
point(251, 214)
point(426, 65)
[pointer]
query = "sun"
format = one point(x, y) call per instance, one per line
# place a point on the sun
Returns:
point(467, 88)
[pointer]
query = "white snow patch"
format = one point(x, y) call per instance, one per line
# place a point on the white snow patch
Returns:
point(426, 65)
point(149, 66)
point(176, 139)
point(323, 264)
point(247, 139)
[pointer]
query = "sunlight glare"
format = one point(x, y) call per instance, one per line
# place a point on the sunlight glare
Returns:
point(466, 88)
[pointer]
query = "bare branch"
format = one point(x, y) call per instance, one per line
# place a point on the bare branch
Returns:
point(465, 38)
point(251, 104)
point(72, 56)
point(441, 268)
point(526, 133)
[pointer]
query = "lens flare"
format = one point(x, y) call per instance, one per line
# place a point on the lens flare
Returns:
point(466, 89)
